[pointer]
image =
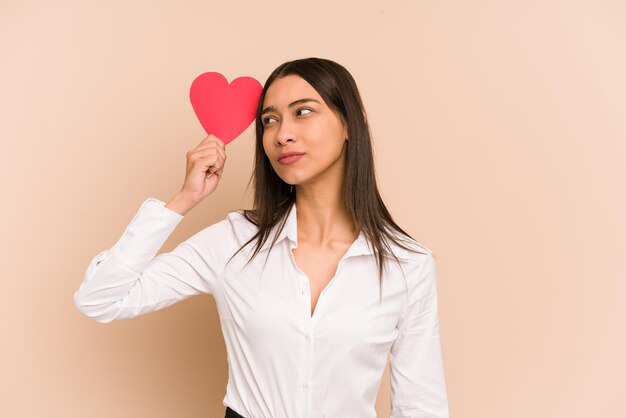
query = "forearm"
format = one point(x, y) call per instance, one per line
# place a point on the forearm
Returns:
point(181, 203)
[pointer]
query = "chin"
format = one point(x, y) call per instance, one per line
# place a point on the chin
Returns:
point(290, 180)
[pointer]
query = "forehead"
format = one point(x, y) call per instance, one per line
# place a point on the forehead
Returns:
point(286, 89)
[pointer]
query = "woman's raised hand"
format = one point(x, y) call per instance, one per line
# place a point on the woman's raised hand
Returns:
point(205, 165)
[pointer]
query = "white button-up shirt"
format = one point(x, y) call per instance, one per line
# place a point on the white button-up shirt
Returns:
point(283, 361)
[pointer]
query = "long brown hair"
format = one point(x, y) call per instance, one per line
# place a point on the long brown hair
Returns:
point(273, 197)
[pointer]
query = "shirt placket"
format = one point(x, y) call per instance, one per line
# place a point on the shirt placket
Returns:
point(307, 327)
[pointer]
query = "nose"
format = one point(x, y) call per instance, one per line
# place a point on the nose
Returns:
point(281, 142)
point(285, 134)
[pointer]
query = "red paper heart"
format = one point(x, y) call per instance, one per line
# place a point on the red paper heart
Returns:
point(225, 110)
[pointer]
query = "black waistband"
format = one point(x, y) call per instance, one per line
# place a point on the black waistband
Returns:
point(232, 414)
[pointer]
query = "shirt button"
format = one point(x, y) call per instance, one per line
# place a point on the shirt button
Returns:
point(307, 338)
point(305, 386)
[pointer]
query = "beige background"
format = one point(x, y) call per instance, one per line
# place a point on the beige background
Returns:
point(500, 143)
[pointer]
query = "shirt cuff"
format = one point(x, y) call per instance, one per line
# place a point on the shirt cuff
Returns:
point(146, 233)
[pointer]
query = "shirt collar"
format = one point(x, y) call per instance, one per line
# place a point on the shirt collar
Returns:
point(361, 246)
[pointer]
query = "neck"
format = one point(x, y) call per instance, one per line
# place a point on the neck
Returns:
point(321, 216)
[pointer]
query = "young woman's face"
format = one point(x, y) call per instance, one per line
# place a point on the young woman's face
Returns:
point(309, 127)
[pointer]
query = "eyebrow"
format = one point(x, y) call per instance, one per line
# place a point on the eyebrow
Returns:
point(273, 109)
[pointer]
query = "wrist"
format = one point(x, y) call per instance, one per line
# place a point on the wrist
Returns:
point(181, 203)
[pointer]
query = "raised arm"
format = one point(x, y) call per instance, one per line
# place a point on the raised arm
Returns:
point(127, 279)
point(418, 388)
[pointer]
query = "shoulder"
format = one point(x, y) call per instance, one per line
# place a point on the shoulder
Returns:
point(416, 260)
point(418, 266)
point(410, 249)
point(241, 227)
point(225, 233)
point(238, 220)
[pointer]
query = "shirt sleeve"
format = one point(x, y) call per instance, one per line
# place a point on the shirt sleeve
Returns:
point(127, 279)
point(418, 388)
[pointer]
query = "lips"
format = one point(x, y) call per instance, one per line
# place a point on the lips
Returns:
point(288, 154)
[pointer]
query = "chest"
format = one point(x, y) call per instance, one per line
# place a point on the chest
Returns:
point(320, 267)
point(295, 296)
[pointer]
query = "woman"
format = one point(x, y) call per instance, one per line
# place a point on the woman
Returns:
point(309, 325)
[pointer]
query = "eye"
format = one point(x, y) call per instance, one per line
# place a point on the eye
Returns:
point(264, 120)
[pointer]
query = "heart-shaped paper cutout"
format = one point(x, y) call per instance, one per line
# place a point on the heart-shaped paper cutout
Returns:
point(225, 110)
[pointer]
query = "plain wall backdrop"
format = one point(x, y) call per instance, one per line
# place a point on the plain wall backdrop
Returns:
point(500, 143)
